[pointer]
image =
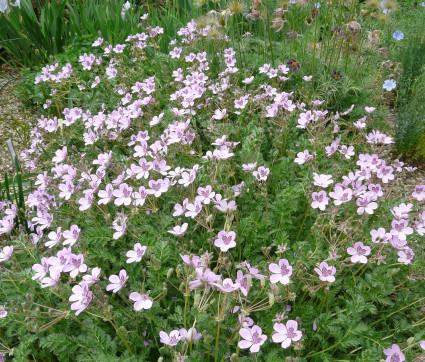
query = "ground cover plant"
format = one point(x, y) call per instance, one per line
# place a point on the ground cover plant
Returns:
point(223, 197)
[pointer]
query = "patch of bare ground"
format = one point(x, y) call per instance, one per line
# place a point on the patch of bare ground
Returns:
point(12, 113)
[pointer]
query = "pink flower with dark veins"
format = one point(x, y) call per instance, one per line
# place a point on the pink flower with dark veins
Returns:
point(406, 256)
point(262, 173)
point(54, 238)
point(359, 252)
point(341, 195)
point(106, 195)
point(71, 236)
point(285, 334)
point(253, 338)
point(225, 240)
point(123, 195)
point(380, 236)
point(142, 301)
point(117, 282)
point(136, 255)
point(75, 266)
point(419, 193)
point(280, 272)
point(6, 253)
point(170, 340)
point(320, 200)
point(401, 229)
point(81, 296)
point(41, 269)
point(326, 272)
point(204, 278)
point(394, 354)
point(227, 286)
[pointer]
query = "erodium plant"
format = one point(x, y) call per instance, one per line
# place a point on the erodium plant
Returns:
point(186, 208)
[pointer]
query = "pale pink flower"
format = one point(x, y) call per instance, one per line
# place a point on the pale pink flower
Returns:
point(249, 166)
point(117, 282)
point(225, 240)
point(41, 269)
point(281, 272)
point(419, 193)
point(385, 173)
point(170, 340)
point(303, 157)
point(369, 109)
point(204, 278)
point(179, 230)
point(262, 173)
point(285, 334)
point(241, 102)
point(53, 278)
point(93, 277)
point(175, 53)
point(326, 272)
point(81, 296)
point(106, 195)
point(123, 195)
point(253, 338)
point(225, 206)
point(192, 210)
point(227, 285)
point(406, 256)
point(244, 284)
point(359, 252)
point(136, 255)
point(341, 195)
point(347, 151)
point(6, 253)
point(401, 229)
point(394, 354)
point(71, 236)
point(54, 238)
point(193, 260)
point(219, 114)
point(190, 335)
point(320, 200)
point(75, 265)
point(380, 236)
point(322, 180)
point(3, 314)
point(366, 204)
point(60, 155)
point(142, 301)
point(205, 194)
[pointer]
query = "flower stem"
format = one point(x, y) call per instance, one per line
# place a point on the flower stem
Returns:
point(216, 341)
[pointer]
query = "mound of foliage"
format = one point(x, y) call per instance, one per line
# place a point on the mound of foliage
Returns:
point(189, 206)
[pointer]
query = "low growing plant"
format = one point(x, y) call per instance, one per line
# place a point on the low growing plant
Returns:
point(188, 208)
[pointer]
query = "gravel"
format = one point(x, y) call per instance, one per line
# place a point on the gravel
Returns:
point(12, 112)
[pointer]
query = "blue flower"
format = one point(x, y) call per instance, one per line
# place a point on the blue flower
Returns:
point(398, 35)
point(389, 85)
point(317, 5)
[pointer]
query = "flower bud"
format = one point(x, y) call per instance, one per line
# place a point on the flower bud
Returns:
point(271, 299)
point(196, 300)
point(249, 279)
point(170, 272)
